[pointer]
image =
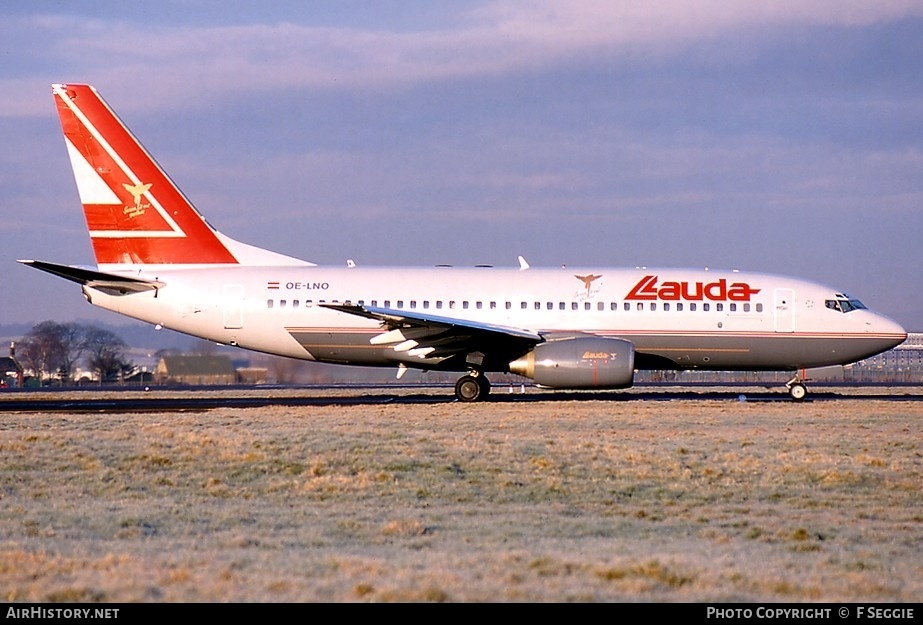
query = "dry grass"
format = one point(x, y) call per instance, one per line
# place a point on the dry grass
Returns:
point(692, 500)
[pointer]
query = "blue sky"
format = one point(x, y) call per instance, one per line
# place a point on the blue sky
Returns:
point(779, 136)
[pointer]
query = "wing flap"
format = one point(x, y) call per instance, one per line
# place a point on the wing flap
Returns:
point(416, 319)
point(429, 337)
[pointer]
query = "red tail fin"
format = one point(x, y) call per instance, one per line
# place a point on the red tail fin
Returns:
point(134, 212)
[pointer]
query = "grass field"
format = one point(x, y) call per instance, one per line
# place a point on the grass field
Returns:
point(583, 501)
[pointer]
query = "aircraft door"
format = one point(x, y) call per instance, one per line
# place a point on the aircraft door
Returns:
point(784, 310)
point(233, 306)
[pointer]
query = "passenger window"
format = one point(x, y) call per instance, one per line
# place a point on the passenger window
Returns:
point(269, 303)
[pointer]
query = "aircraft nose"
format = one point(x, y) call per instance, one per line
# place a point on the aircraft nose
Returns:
point(890, 331)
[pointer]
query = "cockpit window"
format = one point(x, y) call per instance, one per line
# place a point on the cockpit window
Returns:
point(845, 305)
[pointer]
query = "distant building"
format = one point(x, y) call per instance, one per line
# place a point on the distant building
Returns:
point(11, 373)
point(903, 363)
point(195, 370)
point(252, 375)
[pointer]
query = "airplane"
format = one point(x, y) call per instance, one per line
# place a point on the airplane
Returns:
point(158, 260)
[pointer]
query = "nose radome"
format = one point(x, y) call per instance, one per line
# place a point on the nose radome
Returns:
point(893, 331)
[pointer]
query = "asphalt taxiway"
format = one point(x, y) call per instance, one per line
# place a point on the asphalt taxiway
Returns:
point(208, 398)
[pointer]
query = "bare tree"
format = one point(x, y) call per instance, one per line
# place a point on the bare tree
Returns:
point(105, 353)
point(73, 340)
point(53, 349)
point(43, 349)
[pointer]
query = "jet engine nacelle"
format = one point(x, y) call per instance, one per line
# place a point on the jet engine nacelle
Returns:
point(581, 362)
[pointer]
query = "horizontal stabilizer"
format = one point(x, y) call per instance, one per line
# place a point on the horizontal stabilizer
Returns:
point(110, 282)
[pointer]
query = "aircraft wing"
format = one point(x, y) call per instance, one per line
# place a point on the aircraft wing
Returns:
point(114, 284)
point(433, 337)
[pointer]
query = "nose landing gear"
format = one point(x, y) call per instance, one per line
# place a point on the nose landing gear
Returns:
point(796, 388)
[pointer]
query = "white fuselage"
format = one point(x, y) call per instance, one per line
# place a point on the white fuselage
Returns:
point(676, 318)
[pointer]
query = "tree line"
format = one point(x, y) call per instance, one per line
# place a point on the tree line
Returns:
point(54, 350)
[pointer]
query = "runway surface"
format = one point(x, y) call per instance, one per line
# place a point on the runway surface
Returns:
point(208, 398)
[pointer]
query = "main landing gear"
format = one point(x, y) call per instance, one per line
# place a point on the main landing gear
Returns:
point(472, 387)
point(796, 388)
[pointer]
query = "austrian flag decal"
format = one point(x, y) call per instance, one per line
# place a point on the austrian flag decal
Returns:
point(717, 291)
